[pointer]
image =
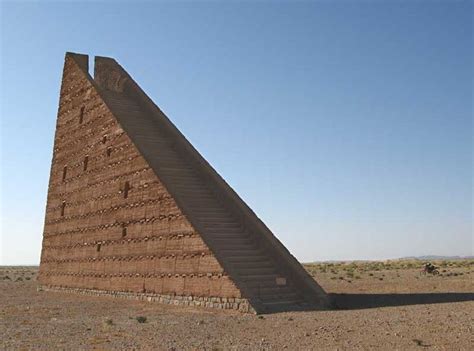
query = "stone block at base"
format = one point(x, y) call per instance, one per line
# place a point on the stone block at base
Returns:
point(238, 304)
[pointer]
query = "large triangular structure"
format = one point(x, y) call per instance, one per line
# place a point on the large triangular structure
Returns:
point(135, 211)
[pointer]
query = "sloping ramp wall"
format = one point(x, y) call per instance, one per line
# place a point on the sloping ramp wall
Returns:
point(109, 75)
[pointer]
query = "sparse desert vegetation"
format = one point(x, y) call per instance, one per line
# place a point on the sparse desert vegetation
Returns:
point(390, 269)
point(378, 305)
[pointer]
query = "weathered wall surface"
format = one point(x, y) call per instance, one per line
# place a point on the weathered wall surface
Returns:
point(110, 223)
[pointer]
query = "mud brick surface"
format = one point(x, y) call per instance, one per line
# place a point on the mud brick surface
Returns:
point(84, 245)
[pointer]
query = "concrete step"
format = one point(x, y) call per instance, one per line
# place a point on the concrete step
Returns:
point(272, 290)
point(183, 170)
point(223, 235)
point(261, 284)
point(196, 204)
point(214, 216)
point(192, 185)
point(255, 271)
point(226, 223)
point(239, 247)
point(187, 188)
point(261, 277)
point(252, 264)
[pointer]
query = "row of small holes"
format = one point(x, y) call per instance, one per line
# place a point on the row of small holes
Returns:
point(86, 158)
point(86, 161)
point(126, 189)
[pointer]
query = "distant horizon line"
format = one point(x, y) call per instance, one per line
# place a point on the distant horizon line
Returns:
point(421, 257)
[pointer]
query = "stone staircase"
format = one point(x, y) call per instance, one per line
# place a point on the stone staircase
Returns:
point(240, 251)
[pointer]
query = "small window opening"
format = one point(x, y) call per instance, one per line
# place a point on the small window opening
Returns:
point(109, 151)
point(86, 161)
point(124, 232)
point(126, 189)
point(63, 206)
point(64, 172)
point(98, 247)
point(81, 115)
point(104, 139)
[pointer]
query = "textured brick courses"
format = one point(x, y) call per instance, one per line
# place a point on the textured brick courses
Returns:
point(157, 224)
point(85, 247)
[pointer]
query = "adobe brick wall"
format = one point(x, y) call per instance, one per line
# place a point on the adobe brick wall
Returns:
point(94, 238)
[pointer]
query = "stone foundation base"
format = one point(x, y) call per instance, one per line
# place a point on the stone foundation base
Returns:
point(225, 303)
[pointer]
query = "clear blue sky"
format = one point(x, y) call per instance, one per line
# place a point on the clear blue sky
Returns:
point(346, 126)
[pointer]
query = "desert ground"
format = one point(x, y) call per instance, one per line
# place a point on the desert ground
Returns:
point(378, 305)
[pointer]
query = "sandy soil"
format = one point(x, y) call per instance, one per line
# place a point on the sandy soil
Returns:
point(380, 306)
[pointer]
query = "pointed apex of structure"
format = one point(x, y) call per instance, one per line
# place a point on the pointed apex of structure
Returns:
point(134, 208)
point(81, 60)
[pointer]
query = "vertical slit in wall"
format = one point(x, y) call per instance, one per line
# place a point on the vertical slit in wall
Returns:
point(124, 231)
point(63, 206)
point(81, 115)
point(109, 151)
point(126, 189)
point(64, 172)
point(86, 161)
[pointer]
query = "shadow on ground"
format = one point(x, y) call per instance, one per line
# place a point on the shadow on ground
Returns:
point(362, 301)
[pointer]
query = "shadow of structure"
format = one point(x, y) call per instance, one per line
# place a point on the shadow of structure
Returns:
point(362, 301)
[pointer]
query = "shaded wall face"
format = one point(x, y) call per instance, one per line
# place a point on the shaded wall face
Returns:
point(110, 223)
